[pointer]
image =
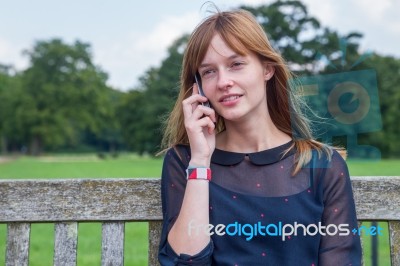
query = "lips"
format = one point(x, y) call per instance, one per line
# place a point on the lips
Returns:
point(229, 98)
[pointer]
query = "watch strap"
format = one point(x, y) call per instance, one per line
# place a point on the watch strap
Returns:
point(198, 173)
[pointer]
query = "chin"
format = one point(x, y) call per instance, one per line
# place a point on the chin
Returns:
point(232, 116)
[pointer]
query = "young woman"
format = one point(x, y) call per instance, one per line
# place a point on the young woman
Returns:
point(243, 182)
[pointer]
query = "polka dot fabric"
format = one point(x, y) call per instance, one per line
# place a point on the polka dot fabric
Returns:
point(260, 189)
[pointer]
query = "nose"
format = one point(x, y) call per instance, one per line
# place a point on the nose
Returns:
point(224, 79)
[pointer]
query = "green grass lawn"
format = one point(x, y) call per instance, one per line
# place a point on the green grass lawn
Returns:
point(81, 166)
point(129, 165)
point(374, 168)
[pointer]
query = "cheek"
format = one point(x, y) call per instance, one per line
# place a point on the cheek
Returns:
point(257, 87)
point(208, 92)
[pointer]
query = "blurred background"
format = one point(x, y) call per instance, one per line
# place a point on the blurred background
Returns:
point(86, 85)
point(100, 76)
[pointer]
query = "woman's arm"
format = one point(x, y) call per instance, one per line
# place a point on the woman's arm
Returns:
point(339, 210)
point(173, 187)
point(186, 235)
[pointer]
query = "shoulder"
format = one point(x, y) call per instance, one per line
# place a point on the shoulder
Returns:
point(329, 166)
point(180, 153)
point(331, 169)
point(178, 150)
point(328, 156)
point(338, 160)
point(175, 163)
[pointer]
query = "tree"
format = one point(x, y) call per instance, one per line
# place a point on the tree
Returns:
point(130, 113)
point(109, 136)
point(299, 37)
point(65, 93)
point(11, 132)
point(4, 109)
point(388, 75)
point(143, 110)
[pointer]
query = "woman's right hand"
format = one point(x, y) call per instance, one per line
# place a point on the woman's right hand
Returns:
point(200, 127)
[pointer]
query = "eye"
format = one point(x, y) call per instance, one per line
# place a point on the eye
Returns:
point(237, 65)
point(207, 72)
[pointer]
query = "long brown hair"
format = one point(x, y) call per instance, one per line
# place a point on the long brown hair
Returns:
point(243, 34)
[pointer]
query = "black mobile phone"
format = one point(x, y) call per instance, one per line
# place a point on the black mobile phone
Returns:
point(201, 92)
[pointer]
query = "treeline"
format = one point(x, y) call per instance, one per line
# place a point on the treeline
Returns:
point(61, 102)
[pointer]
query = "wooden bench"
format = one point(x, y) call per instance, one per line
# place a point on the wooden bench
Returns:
point(112, 202)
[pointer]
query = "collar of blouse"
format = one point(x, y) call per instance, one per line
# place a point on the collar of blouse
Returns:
point(265, 157)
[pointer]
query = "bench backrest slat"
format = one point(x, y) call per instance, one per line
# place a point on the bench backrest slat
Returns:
point(139, 199)
point(394, 229)
point(112, 247)
point(154, 241)
point(80, 200)
point(65, 243)
point(17, 252)
point(377, 198)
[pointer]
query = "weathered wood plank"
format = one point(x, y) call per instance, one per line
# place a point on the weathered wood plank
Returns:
point(99, 199)
point(112, 251)
point(394, 229)
point(65, 244)
point(377, 198)
point(362, 243)
point(154, 241)
point(18, 244)
point(80, 200)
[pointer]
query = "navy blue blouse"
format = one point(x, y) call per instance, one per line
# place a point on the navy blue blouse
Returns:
point(262, 214)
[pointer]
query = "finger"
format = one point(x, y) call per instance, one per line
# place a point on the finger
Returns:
point(187, 108)
point(195, 89)
point(201, 111)
point(211, 127)
point(197, 125)
point(208, 124)
point(191, 103)
point(212, 115)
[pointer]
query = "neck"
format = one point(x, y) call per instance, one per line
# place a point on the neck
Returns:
point(251, 135)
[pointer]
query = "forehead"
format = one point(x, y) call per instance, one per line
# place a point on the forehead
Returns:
point(220, 49)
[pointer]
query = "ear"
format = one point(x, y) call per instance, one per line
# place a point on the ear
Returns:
point(269, 71)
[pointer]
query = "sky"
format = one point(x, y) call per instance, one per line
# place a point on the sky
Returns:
point(128, 37)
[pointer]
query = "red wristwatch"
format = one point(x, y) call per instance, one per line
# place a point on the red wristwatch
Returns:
point(198, 173)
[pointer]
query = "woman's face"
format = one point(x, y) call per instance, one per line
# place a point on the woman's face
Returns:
point(234, 84)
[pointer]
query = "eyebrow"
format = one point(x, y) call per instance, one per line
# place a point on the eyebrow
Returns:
point(234, 56)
